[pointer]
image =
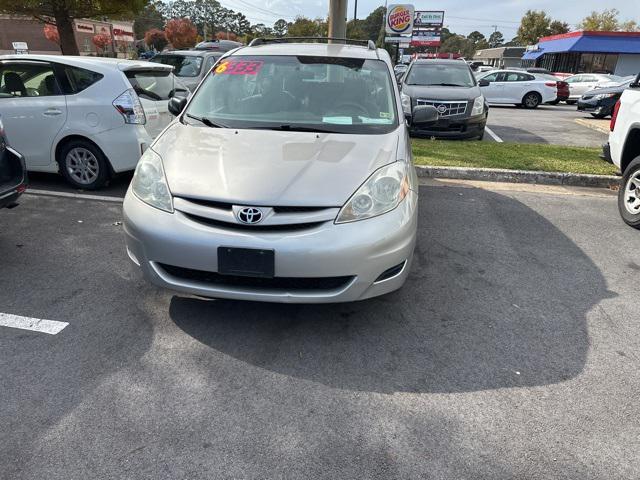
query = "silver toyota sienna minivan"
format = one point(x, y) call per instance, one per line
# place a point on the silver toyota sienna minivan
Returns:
point(286, 177)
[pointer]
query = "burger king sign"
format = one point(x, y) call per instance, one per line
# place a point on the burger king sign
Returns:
point(400, 19)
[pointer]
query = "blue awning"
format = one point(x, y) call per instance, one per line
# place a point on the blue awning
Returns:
point(592, 44)
point(532, 54)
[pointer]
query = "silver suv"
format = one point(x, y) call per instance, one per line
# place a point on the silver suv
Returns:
point(286, 177)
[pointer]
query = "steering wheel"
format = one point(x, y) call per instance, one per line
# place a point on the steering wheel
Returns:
point(344, 107)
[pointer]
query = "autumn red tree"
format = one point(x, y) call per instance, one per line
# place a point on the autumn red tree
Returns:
point(51, 33)
point(101, 40)
point(227, 36)
point(156, 39)
point(181, 32)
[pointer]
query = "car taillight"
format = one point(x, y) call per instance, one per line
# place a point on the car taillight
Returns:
point(129, 106)
point(614, 116)
point(551, 84)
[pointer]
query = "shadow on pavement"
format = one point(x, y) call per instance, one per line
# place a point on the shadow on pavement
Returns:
point(497, 298)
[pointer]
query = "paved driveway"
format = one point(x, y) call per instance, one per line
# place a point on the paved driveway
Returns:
point(552, 124)
point(512, 352)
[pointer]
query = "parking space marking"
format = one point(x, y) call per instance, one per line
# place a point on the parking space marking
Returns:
point(52, 327)
point(493, 135)
point(53, 193)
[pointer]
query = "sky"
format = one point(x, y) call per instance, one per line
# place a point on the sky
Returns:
point(461, 16)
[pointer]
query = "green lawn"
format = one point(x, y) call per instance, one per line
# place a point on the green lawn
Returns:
point(513, 156)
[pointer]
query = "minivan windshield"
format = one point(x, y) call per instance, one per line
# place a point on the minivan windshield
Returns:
point(323, 94)
point(183, 65)
point(440, 74)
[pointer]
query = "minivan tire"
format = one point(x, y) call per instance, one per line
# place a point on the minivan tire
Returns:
point(630, 186)
point(83, 165)
point(531, 100)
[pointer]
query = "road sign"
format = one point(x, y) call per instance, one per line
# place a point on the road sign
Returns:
point(399, 19)
point(20, 47)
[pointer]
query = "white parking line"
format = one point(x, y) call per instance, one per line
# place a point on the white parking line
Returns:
point(52, 193)
point(34, 324)
point(493, 135)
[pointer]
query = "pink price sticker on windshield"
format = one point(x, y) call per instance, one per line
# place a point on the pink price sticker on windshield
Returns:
point(229, 67)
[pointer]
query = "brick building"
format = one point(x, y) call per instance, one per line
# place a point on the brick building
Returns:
point(18, 28)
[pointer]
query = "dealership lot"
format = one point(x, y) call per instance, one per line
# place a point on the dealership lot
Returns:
point(510, 353)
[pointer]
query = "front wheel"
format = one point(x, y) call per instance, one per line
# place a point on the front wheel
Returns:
point(83, 165)
point(531, 100)
point(629, 195)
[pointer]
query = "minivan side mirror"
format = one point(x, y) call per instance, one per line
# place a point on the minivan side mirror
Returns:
point(424, 115)
point(176, 105)
point(484, 83)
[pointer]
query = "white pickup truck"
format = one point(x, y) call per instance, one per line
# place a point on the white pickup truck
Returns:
point(623, 150)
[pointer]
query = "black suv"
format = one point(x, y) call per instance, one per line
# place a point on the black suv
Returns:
point(13, 173)
point(450, 87)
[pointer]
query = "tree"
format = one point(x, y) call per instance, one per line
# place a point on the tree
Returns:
point(156, 39)
point(355, 30)
point(61, 13)
point(496, 39)
point(305, 27)
point(514, 42)
point(51, 33)
point(533, 26)
point(458, 44)
point(150, 18)
point(478, 40)
point(557, 27)
point(607, 21)
point(101, 40)
point(226, 36)
point(181, 32)
point(372, 25)
point(280, 28)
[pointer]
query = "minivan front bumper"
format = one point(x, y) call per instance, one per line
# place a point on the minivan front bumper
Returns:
point(335, 263)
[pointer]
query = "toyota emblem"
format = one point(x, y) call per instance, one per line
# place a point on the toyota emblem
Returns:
point(442, 109)
point(249, 215)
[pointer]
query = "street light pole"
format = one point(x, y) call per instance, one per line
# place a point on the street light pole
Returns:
point(338, 18)
point(355, 10)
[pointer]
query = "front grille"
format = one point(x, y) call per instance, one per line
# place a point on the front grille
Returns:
point(276, 283)
point(451, 108)
point(293, 227)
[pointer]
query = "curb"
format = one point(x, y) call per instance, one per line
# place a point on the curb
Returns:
point(596, 125)
point(519, 176)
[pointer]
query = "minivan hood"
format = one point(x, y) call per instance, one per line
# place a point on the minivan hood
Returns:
point(441, 93)
point(270, 168)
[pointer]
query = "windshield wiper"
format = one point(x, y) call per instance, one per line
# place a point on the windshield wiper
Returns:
point(297, 128)
point(207, 121)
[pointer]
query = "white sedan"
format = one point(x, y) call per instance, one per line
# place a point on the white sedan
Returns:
point(583, 82)
point(517, 87)
point(85, 117)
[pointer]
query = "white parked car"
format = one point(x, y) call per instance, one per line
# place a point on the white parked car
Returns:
point(517, 87)
point(85, 117)
point(623, 150)
point(583, 82)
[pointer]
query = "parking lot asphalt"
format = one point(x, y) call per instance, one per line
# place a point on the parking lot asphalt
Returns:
point(552, 124)
point(512, 352)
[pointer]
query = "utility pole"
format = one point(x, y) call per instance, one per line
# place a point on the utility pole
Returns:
point(338, 18)
point(355, 11)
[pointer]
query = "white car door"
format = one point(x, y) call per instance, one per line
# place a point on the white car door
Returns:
point(33, 108)
point(516, 86)
point(494, 91)
point(588, 82)
point(574, 88)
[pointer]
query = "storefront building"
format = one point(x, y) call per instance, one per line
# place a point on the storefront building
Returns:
point(587, 52)
point(19, 28)
point(500, 57)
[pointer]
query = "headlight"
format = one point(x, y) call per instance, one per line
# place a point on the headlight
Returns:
point(602, 96)
point(381, 193)
point(149, 183)
point(478, 106)
point(406, 103)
